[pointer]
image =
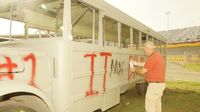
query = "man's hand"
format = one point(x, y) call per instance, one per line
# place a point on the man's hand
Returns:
point(132, 62)
point(135, 63)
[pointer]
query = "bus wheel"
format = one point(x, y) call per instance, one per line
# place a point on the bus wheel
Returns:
point(23, 103)
point(99, 110)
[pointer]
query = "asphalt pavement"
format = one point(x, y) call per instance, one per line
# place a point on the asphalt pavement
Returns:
point(177, 72)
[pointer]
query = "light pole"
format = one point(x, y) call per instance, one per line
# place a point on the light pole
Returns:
point(168, 33)
point(167, 14)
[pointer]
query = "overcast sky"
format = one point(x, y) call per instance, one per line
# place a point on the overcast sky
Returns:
point(152, 13)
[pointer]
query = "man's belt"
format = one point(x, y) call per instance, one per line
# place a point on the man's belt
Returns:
point(155, 81)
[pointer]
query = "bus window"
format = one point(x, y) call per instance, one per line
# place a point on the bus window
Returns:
point(84, 23)
point(110, 32)
point(158, 47)
point(144, 38)
point(150, 38)
point(125, 36)
point(43, 16)
point(136, 38)
point(156, 42)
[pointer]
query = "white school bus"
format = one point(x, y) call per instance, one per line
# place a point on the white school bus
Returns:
point(67, 55)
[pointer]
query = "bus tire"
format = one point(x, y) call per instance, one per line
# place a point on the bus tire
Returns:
point(99, 110)
point(24, 103)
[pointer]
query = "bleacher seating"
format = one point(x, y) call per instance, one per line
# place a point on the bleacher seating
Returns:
point(182, 35)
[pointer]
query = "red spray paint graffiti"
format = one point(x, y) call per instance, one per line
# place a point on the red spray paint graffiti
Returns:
point(91, 91)
point(137, 58)
point(9, 66)
point(92, 56)
point(131, 74)
point(106, 54)
point(33, 61)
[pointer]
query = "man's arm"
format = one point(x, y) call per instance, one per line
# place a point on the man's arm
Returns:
point(138, 67)
point(140, 70)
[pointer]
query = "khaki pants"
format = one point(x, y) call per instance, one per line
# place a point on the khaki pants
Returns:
point(153, 97)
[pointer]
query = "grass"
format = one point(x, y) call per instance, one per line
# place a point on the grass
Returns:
point(195, 67)
point(179, 96)
point(184, 85)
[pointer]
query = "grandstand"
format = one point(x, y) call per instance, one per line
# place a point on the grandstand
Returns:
point(183, 44)
point(183, 41)
point(189, 34)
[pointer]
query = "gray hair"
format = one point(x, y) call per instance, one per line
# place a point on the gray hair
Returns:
point(149, 44)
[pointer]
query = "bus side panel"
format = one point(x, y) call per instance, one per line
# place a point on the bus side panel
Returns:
point(84, 64)
point(28, 68)
point(111, 98)
point(98, 73)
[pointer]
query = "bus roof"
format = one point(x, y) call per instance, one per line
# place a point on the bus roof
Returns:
point(118, 15)
point(108, 10)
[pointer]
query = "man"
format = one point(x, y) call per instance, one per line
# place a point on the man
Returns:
point(154, 69)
